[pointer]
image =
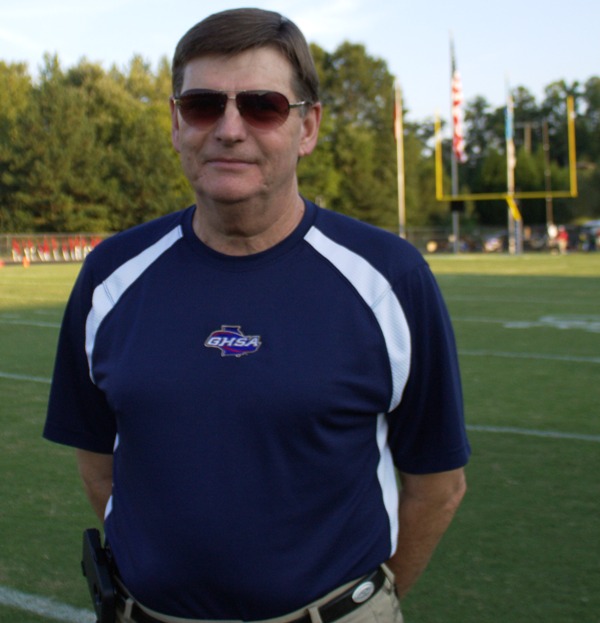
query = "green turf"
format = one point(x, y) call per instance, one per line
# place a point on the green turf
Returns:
point(525, 544)
point(43, 509)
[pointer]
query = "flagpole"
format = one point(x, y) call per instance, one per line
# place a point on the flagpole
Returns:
point(399, 135)
point(455, 213)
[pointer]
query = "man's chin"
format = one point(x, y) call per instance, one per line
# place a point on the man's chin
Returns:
point(233, 194)
point(225, 199)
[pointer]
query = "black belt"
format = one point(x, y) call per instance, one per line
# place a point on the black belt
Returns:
point(354, 597)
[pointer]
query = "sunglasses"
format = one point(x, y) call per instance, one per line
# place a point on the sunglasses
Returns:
point(265, 110)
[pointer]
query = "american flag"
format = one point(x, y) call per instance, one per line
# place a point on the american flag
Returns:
point(458, 139)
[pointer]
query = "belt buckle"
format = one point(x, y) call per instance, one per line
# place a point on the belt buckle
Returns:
point(363, 592)
point(354, 597)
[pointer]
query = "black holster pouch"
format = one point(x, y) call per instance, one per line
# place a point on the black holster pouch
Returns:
point(96, 567)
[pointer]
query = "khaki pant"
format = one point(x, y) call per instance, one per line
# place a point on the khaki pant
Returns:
point(383, 607)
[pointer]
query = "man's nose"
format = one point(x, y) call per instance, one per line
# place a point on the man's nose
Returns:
point(231, 124)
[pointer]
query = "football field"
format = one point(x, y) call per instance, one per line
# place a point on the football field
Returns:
point(525, 545)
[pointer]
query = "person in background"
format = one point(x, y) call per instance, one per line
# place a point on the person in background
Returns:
point(563, 240)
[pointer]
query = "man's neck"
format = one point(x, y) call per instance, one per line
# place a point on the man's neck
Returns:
point(245, 229)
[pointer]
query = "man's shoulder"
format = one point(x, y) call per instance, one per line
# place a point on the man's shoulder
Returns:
point(127, 244)
point(387, 251)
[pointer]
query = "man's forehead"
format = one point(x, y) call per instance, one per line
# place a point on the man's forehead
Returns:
point(255, 68)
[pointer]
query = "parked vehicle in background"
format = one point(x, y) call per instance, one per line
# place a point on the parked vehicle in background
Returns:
point(590, 236)
point(496, 242)
point(535, 238)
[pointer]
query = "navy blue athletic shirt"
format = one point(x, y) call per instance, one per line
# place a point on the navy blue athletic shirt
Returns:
point(257, 407)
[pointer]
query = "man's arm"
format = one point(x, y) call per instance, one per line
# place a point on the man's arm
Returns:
point(96, 471)
point(427, 505)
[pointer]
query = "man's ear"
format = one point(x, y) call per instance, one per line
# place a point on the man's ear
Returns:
point(310, 130)
point(174, 125)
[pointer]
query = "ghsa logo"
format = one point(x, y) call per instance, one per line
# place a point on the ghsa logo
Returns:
point(232, 342)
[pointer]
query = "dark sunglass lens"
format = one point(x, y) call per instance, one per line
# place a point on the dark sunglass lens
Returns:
point(202, 108)
point(263, 109)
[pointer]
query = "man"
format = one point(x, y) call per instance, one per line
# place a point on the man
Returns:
point(240, 378)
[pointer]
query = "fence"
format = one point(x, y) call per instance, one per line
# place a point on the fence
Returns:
point(35, 248)
point(30, 248)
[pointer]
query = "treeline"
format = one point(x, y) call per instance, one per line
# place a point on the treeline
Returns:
point(88, 149)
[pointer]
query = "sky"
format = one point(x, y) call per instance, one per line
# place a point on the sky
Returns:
point(529, 43)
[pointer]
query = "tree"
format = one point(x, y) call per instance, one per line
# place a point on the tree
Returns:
point(318, 177)
point(357, 92)
point(89, 149)
point(16, 86)
point(55, 157)
point(141, 178)
point(588, 122)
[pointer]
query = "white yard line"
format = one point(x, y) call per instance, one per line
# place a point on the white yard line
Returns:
point(24, 377)
point(44, 606)
point(476, 298)
point(534, 433)
point(30, 323)
point(512, 355)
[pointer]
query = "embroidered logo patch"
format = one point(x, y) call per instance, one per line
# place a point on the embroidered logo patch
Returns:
point(232, 342)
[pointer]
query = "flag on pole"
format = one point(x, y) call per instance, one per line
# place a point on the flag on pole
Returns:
point(458, 139)
point(511, 155)
point(398, 130)
point(511, 159)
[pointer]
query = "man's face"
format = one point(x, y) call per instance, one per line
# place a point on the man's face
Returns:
point(231, 161)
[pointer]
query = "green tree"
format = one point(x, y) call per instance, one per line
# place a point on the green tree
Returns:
point(140, 176)
point(486, 167)
point(358, 94)
point(15, 94)
point(89, 149)
point(554, 111)
point(588, 122)
point(55, 157)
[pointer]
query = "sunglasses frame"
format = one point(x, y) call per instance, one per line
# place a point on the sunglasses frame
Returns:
point(246, 112)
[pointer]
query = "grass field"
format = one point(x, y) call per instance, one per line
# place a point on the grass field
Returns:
point(525, 546)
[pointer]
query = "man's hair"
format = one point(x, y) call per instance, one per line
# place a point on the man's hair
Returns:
point(237, 30)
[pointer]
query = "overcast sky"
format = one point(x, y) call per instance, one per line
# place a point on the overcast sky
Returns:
point(528, 43)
